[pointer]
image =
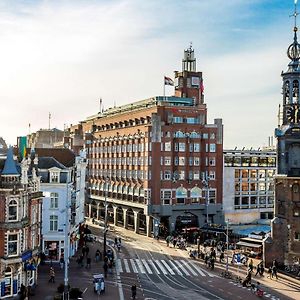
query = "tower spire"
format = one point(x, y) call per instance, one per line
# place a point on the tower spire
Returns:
point(294, 49)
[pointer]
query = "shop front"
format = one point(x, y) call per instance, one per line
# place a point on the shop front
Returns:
point(53, 249)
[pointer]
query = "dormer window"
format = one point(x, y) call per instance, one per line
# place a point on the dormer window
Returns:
point(13, 210)
point(54, 177)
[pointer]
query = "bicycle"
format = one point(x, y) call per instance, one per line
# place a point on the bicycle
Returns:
point(226, 274)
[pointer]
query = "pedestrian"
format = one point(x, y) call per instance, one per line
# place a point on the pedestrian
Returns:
point(221, 257)
point(97, 255)
point(274, 271)
point(116, 241)
point(133, 291)
point(120, 241)
point(110, 265)
point(88, 262)
point(61, 262)
point(52, 275)
point(119, 247)
point(250, 265)
point(174, 242)
point(22, 292)
point(105, 267)
point(269, 272)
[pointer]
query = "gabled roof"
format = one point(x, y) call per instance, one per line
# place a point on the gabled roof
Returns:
point(64, 156)
point(49, 162)
point(10, 168)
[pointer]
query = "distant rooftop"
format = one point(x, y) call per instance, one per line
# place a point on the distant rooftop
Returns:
point(154, 101)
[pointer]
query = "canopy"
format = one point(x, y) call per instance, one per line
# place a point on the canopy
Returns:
point(248, 245)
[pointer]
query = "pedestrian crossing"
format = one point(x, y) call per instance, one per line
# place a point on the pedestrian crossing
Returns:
point(160, 267)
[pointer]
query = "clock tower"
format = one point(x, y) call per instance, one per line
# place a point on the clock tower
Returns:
point(284, 242)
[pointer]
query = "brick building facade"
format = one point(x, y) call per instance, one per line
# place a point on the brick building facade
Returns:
point(20, 221)
point(157, 161)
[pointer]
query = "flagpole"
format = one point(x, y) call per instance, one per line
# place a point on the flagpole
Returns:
point(164, 89)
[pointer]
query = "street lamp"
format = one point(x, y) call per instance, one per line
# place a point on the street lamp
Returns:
point(66, 247)
point(227, 242)
point(205, 182)
point(105, 217)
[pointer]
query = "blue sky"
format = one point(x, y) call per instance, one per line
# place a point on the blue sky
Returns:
point(62, 56)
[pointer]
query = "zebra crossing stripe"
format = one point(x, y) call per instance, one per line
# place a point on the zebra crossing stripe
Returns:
point(198, 269)
point(140, 266)
point(153, 266)
point(146, 266)
point(133, 266)
point(126, 265)
point(175, 267)
point(185, 263)
point(119, 266)
point(180, 266)
point(161, 267)
point(168, 267)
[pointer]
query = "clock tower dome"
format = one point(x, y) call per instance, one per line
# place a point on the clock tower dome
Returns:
point(284, 242)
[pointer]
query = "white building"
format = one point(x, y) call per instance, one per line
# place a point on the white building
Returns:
point(63, 203)
point(248, 189)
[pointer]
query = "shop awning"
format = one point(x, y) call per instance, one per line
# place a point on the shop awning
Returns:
point(248, 245)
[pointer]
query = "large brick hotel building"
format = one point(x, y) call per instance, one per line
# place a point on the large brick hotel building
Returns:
point(154, 160)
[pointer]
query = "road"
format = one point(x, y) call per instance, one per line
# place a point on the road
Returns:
point(164, 273)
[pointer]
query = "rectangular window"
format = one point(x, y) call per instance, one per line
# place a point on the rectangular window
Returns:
point(212, 148)
point(181, 147)
point(212, 175)
point(161, 160)
point(196, 147)
point(191, 161)
point(196, 175)
point(196, 161)
point(54, 177)
point(212, 161)
point(167, 175)
point(177, 119)
point(12, 244)
point(167, 161)
point(53, 223)
point(53, 200)
point(166, 196)
point(181, 175)
point(205, 136)
point(181, 160)
point(168, 146)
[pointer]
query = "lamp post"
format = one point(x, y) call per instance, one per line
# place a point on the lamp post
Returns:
point(66, 248)
point(227, 242)
point(205, 182)
point(105, 218)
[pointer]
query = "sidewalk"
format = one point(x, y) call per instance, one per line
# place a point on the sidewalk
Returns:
point(80, 277)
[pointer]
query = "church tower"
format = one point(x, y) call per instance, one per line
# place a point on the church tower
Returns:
point(284, 243)
point(189, 82)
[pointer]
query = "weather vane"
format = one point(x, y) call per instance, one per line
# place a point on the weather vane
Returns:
point(295, 14)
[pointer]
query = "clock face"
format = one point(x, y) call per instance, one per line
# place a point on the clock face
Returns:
point(293, 114)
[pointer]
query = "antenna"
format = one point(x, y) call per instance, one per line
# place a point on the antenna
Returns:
point(100, 104)
point(29, 128)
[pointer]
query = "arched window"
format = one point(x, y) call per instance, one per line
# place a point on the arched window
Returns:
point(295, 91)
point(194, 135)
point(181, 194)
point(136, 191)
point(286, 92)
point(13, 210)
point(179, 134)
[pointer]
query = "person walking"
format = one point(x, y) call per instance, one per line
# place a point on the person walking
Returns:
point(87, 250)
point(274, 271)
point(105, 268)
point(97, 255)
point(61, 262)
point(52, 275)
point(250, 265)
point(88, 262)
point(133, 291)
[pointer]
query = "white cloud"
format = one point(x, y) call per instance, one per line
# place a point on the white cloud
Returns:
point(63, 56)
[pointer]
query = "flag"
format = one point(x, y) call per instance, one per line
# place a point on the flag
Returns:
point(168, 81)
point(201, 86)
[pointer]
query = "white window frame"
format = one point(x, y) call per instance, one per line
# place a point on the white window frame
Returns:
point(53, 200)
point(54, 176)
point(212, 148)
point(53, 223)
point(13, 241)
point(15, 204)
